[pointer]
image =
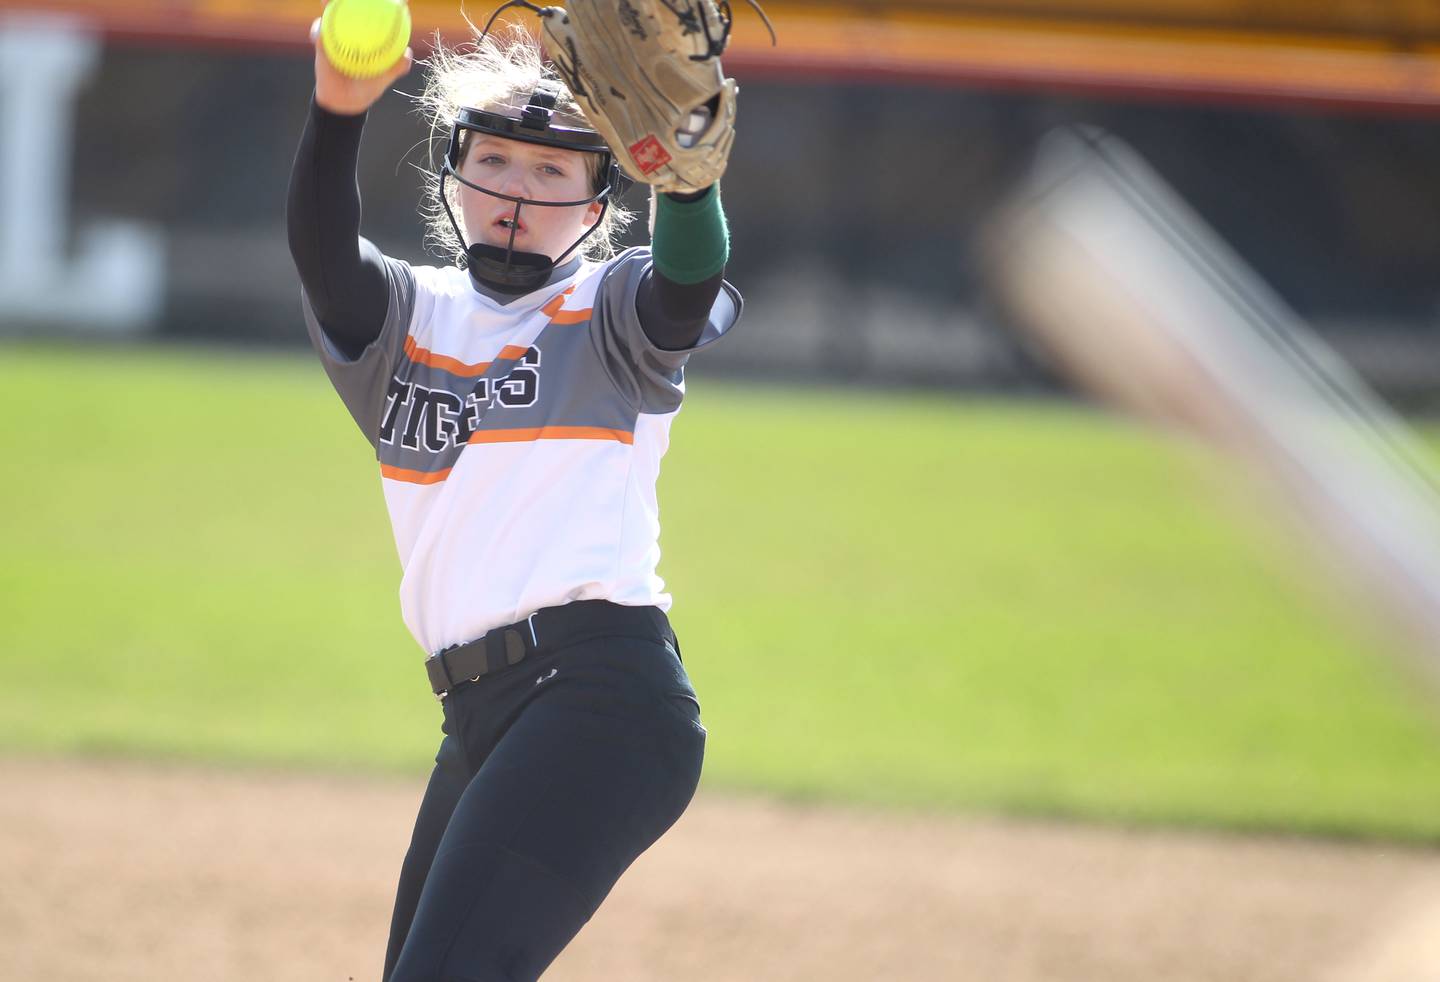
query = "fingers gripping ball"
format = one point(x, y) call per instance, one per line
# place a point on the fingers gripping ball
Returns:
point(363, 38)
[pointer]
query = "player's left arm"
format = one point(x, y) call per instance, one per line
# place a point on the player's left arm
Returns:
point(657, 94)
point(691, 246)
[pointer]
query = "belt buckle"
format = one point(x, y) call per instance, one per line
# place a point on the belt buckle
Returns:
point(436, 658)
point(440, 656)
point(534, 644)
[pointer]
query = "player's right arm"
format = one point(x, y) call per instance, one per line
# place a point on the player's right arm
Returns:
point(344, 275)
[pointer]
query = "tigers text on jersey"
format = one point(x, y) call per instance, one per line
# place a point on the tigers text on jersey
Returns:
point(519, 440)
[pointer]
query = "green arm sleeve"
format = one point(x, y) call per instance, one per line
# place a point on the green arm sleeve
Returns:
point(691, 242)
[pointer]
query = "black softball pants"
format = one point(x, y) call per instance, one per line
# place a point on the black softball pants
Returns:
point(552, 777)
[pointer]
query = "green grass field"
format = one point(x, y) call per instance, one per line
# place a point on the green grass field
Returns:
point(905, 600)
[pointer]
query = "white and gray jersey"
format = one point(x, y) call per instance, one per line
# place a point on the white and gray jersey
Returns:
point(519, 440)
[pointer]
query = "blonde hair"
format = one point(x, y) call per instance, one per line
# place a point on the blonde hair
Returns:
point(490, 73)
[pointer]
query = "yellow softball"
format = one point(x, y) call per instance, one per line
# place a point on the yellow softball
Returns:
point(363, 38)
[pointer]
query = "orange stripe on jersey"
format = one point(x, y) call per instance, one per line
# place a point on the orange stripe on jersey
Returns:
point(424, 356)
point(413, 477)
point(553, 305)
point(552, 310)
point(530, 434)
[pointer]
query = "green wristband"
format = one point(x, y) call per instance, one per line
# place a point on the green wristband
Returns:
point(691, 242)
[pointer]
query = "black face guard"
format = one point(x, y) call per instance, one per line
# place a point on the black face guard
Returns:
point(505, 267)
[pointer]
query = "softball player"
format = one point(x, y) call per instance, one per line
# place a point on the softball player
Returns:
point(519, 407)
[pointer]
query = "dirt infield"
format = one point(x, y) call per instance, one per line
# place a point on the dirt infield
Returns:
point(127, 872)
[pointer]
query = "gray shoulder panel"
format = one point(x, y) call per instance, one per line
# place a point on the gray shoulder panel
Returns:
point(363, 382)
point(650, 377)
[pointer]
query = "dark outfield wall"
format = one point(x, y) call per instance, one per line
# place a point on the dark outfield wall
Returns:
point(854, 210)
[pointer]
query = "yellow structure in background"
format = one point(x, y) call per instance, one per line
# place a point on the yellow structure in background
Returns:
point(1101, 54)
point(1364, 52)
point(1322, 16)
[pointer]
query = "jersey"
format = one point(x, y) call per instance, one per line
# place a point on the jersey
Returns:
point(519, 440)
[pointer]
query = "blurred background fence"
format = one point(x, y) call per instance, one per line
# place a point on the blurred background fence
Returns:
point(147, 143)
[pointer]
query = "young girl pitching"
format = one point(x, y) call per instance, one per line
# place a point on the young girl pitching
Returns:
point(519, 401)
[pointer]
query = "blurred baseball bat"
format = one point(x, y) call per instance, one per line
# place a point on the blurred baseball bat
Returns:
point(1142, 304)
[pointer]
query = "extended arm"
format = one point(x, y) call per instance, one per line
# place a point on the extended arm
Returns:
point(343, 274)
point(660, 100)
point(691, 246)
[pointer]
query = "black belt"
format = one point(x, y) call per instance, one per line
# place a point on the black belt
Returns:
point(546, 630)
